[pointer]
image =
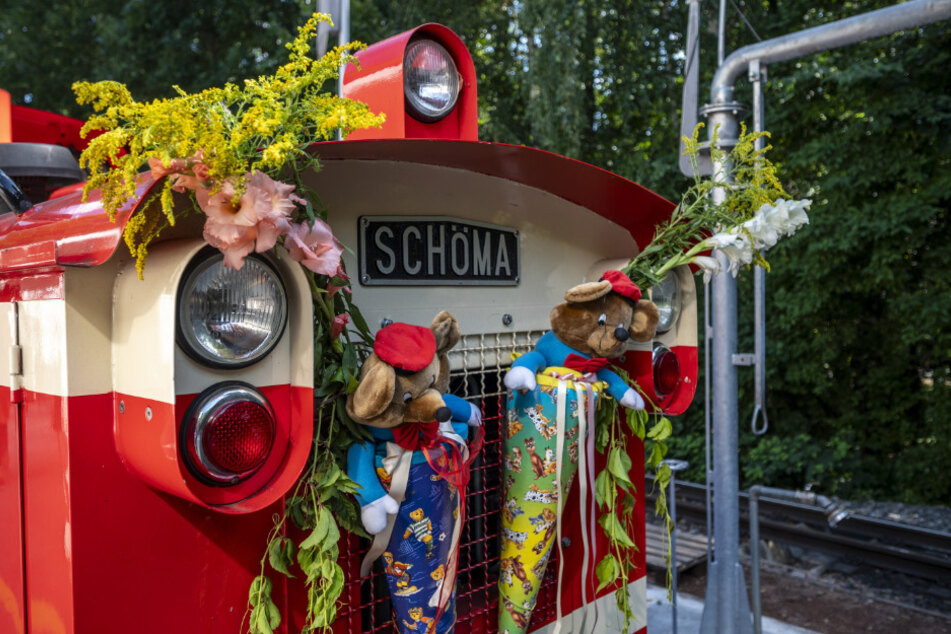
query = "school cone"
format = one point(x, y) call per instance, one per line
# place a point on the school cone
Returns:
point(532, 497)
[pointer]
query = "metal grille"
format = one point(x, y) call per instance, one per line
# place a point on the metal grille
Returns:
point(479, 362)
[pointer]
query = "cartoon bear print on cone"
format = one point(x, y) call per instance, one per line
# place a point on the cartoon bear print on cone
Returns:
point(414, 472)
point(552, 395)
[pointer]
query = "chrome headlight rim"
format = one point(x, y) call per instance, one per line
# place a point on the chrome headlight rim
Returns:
point(667, 297)
point(417, 106)
point(185, 336)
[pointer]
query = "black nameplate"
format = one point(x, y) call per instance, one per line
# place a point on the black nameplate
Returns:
point(436, 251)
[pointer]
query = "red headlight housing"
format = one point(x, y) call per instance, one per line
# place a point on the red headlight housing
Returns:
point(666, 370)
point(227, 433)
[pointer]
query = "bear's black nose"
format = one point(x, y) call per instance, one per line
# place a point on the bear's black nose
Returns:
point(620, 334)
point(443, 414)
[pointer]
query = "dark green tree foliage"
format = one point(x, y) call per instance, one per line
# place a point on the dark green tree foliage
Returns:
point(149, 46)
point(859, 366)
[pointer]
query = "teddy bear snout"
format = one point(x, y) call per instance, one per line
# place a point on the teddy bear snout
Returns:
point(621, 334)
point(443, 415)
point(425, 407)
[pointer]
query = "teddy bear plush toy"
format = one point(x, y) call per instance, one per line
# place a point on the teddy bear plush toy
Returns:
point(552, 395)
point(414, 471)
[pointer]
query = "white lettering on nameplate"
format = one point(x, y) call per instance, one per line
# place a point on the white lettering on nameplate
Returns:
point(402, 250)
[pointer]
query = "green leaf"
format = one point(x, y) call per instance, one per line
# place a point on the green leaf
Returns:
point(261, 622)
point(275, 556)
point(605, 492)
point(316, 537)
point(614, 531)
point(607, 571)
point(661, 430)
point(273, 615)
point(619, 464)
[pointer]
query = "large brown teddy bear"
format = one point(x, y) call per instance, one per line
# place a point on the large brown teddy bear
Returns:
point(553, 394)
point(592, 325)
point(414, 470)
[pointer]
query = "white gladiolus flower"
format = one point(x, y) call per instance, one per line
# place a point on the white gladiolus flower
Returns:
point(764, 234)
point(785, 216)
point(736, 246)
point(709, 266)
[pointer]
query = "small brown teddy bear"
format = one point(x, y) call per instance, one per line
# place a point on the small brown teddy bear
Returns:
point(590, 327)
point(401, 398)
point(413, 473)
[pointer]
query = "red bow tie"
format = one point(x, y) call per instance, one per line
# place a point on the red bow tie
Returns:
point(413, 436)
point(579, 363)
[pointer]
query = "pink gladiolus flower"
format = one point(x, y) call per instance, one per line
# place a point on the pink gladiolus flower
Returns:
point(339, 322)
point(314, 247)
point(274, 202)
point(222, 208)
point(234, 241)
point(175, 166)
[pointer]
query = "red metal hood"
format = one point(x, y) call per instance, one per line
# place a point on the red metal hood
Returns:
point(65, 231)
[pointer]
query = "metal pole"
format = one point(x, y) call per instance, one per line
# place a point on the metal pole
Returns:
point(674, 466)
point(344, 37)
point(754, 564)
point(828, 36)
point(721, 32)
point(757, 76)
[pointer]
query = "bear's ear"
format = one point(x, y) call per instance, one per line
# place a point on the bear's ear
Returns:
point(587, 291)
point(375, 391)
point(446, 330)
point(644, 322)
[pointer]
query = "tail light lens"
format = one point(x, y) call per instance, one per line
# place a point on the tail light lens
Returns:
point(666, 370)
point(431, 82)
point(227, 433)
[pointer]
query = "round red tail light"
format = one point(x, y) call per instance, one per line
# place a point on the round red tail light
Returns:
point(239, 436)
point(227, 433)
point(666, 370)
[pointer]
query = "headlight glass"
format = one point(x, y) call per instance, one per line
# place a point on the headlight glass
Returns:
point(228, 318)
point(666, 296)
point(430, 80)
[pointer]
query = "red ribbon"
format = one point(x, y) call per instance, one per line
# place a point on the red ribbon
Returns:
point(413, 436)
point(446, 460)
point(583, 365)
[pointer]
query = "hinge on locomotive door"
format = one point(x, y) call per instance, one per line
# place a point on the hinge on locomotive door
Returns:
point(16, 355)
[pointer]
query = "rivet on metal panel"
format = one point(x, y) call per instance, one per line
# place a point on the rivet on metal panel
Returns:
point(122, 407)
point(148, 413)
point(506, 320)
point(386, 321)
point(565, 542)
point(364, 278)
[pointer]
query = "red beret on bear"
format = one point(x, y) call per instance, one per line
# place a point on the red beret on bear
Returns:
point(405, 347)
point(622, 285)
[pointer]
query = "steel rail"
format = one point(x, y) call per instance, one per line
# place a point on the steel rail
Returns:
point(912, 550)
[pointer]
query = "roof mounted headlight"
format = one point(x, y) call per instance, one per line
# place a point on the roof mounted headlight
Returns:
point(431, 81)
point(666, 296)
point(226, 318)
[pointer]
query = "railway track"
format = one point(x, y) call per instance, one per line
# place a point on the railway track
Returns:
point(888, 545)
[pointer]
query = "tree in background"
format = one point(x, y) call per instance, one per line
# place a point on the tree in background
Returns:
point(858, 329)
point(149, 46)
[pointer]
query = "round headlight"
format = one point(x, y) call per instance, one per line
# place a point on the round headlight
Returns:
point(430, 80)
point(228, 318)
point(666, 296)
